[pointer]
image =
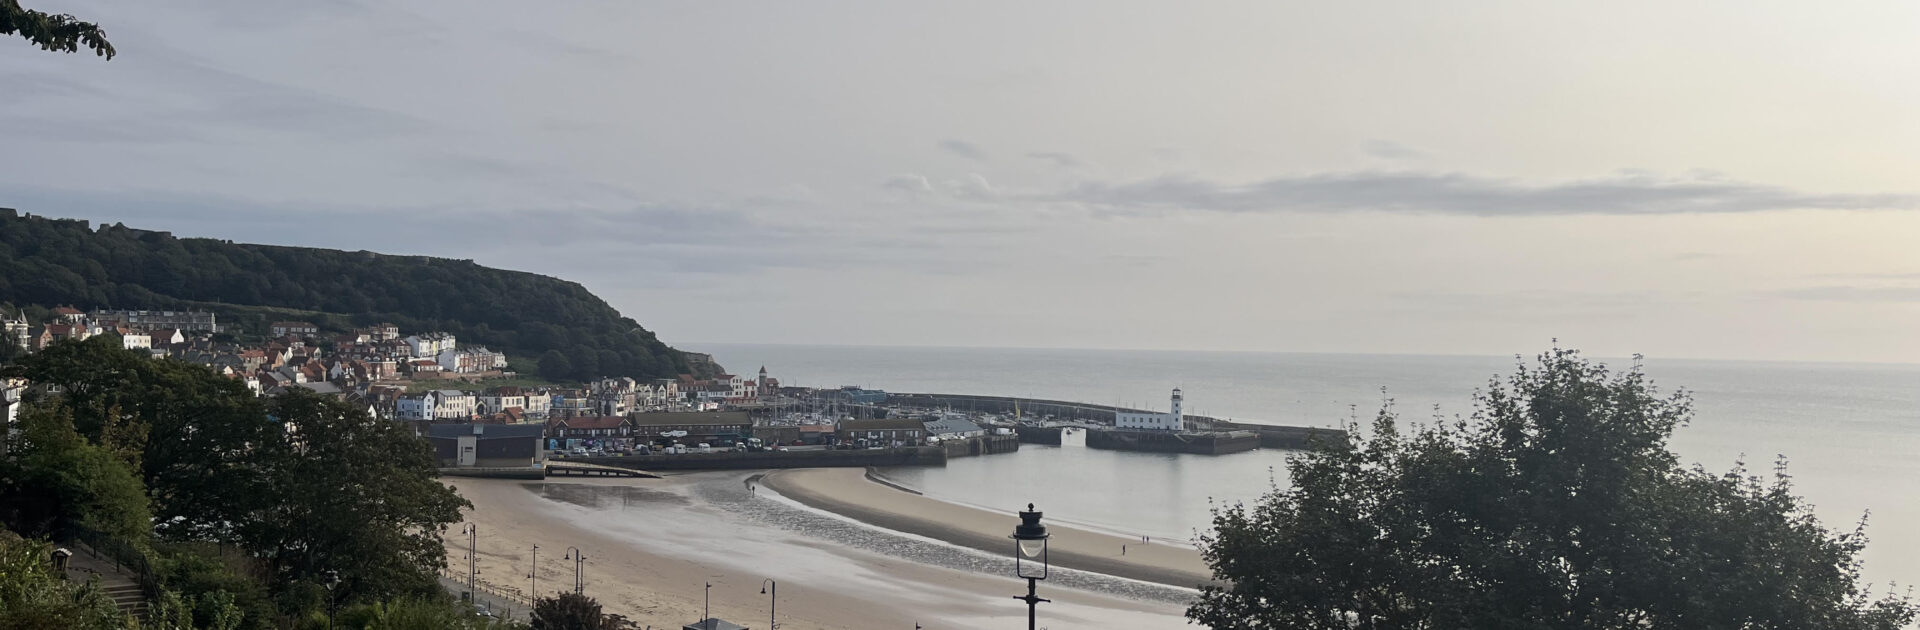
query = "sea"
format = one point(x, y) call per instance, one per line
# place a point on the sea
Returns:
point(1850, 433)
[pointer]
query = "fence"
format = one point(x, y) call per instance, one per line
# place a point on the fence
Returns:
point(101, 544)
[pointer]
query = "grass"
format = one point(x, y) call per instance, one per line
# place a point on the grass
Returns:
point(415, 387)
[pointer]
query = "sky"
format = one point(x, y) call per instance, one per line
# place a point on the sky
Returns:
point(1728, 180)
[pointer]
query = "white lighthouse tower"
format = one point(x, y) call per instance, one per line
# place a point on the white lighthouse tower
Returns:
point(1173, 421)
point(1179, 421)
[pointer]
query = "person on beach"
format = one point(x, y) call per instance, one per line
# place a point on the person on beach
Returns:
point(1123, 550)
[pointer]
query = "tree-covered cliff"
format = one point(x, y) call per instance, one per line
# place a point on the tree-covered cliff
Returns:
point(66, 262)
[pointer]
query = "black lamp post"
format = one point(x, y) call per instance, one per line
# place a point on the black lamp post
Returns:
point(578, 558)
point(534, 574)
point(333, 579)
point(773, 603)
point(1030, 557)
point(473, 559)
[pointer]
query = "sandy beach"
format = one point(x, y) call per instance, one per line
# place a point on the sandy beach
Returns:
point(847, 491)
point(652, 545)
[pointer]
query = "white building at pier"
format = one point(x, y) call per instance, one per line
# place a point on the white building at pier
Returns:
point(1157, 421)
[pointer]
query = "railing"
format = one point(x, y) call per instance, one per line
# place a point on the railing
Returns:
point(492, 591)
point(125, 554)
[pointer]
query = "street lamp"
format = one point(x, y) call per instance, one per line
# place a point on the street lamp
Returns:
point(473, 569)
point(773, 603)
point(1030, 557)
point(333, 579)
point(578, 558)
point(534, 574)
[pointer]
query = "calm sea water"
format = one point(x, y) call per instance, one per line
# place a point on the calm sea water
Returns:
point(1850, 431)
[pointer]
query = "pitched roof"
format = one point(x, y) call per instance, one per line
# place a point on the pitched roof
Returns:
point(951, 424)
point(670, 418)
point(486, 431)
point(880, 425)
point(593, 422)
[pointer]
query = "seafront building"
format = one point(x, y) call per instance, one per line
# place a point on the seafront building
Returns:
point(1172, 421)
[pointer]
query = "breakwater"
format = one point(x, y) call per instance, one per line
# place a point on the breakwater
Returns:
point(981, 445)
point(1005, 405)
point(1049, 436)
point(914, 456)
point(1208, 443)
point(1282, 437)
point(1270, 435)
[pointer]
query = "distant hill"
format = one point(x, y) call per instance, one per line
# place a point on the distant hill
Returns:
point(64, 262)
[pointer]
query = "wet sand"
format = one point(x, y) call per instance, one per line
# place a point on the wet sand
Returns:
point(847, 491)
point(651, 545)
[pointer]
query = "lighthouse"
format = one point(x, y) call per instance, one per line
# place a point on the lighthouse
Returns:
point(1179, 421)
point(1171, 421)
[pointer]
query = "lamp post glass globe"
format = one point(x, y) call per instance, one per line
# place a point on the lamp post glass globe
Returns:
point(1030, 548)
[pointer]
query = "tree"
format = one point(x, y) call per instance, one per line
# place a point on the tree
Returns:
point(357, 495)
point(568, 611)
point(32, 597)
point(555, 366)
point(56, 479)
point(1555, 505)
point(53, 32)
point(202, 467)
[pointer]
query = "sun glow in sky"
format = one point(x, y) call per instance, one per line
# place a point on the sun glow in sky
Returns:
point(1711, 180)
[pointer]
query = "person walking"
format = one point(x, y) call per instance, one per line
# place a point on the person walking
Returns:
point(1123, 550)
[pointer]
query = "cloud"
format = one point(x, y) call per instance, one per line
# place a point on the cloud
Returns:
point(1062, 160)
point(1390, 150)
point(1446, 193)
point(973, 187)
point(1845, 293)
point(908, 182)
point(964, 149)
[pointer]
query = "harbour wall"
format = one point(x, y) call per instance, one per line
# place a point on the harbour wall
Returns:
point(1282, 437)
point(981, 445)
point(1215, 443)
point(1049, 436)
point(1004, 404)
point(1271, 435)
point(913, 456)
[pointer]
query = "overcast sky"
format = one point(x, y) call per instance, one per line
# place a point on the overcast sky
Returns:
point(1701, 179)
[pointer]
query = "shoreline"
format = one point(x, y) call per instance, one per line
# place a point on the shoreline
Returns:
point(651, 545)
point(850, 493)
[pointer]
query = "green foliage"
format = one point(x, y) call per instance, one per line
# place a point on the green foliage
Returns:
point(357, 495)
point(423, 614)
point(199, 435)
point(53, 32)
point(49, 261)
point(56, 479)
point(216, 586)
point(568, 611)
point(32, 597)
point(273, 494)
point(1556, 505)
point(555, 365)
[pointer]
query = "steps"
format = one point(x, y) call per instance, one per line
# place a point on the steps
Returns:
point(118, 584)
point(126, 596)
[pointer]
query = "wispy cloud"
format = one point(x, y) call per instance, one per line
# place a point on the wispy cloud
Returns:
point(1062, 160)
point(1846, 293)
point(963, 149)
point(1390, 150)
point(1447, 193)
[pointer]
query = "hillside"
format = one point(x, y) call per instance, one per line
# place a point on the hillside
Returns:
point(65, 262)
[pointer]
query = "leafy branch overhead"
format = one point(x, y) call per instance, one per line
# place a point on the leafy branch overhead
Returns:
point(53, 32)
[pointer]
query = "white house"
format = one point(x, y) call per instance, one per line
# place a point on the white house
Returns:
point(136, 341)
point(500, 400)
point(452, 404)
point(414, 406)
point(430, 345)
point(1156, 421)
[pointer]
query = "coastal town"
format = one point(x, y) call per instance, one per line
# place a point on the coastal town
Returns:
point(443, 387)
